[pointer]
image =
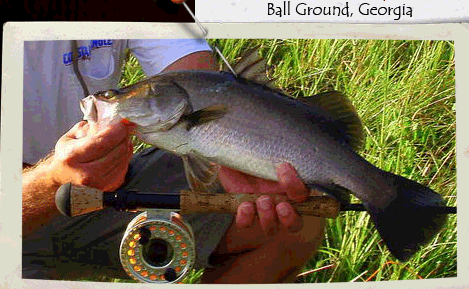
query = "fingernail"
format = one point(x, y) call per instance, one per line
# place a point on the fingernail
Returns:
point(264, 203)
point(283, 210)
point(283, 167)
point(82, 124)
point(246, 209)
point(285, 173)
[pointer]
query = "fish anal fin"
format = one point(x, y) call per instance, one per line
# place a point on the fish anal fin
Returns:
point(205, 115)
point(201, 174)
point(341, 112)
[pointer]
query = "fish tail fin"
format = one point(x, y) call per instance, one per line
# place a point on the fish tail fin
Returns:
point(411, 219)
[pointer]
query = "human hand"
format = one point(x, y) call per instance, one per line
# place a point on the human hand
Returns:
point(269, 213)
point(88, 155)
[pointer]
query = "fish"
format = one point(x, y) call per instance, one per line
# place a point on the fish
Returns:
point(242, 121)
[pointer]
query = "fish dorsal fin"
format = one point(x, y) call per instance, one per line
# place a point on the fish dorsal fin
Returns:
point(341, 112)
point(254, 68)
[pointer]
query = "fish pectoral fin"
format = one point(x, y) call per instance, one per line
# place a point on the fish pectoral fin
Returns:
point(341, 113)
point(205, 115)
point(158, 127)
point(202, 174)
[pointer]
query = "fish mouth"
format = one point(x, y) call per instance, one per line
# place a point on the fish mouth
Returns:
point(88, 108)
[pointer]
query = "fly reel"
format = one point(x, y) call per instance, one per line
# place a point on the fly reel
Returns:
point(158, 247)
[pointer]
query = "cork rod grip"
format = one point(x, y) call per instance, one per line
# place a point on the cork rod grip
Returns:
point(198, 202)
point(74, 200)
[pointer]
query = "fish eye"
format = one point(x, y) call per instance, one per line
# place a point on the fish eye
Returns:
point(110, 93)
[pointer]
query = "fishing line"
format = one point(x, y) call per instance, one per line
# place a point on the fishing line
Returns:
point(204, 32)
point(75, 67)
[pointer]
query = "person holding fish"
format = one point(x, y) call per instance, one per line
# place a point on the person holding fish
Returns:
point(264, 243)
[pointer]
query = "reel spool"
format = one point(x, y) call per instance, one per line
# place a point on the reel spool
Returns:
point(158, 247)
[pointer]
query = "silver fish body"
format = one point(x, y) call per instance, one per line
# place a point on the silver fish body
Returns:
point(260, 130)
point(215, 117)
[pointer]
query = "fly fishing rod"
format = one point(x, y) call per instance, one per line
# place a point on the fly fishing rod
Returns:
point(74, 200)
point(158, 245)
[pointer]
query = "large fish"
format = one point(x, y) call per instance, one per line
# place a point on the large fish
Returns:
point(239, 121)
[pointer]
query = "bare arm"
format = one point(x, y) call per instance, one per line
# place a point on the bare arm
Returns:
point(83, 156)
point(197, 60)
point(38, 205)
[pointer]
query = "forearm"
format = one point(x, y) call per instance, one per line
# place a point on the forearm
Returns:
point(38, 196)
point(197, 60)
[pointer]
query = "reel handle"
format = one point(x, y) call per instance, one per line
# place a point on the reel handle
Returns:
point(72, 200)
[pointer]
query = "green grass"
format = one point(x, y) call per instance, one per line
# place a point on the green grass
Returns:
point(404, 92)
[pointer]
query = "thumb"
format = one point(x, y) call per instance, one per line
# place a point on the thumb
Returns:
point(79, 130)
point(291, 184)
point(93, 127)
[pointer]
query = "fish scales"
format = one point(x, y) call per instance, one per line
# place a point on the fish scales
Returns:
point(269, 127)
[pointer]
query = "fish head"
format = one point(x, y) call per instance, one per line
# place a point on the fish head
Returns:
point(148, 104)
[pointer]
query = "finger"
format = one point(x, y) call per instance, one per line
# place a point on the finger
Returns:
point(238, 182)
point(67, 146)
point(101, 143)
point(95, 127)
point(288, 217)
point(82, 131)
point(124, 163)
point(235, 181)
point(108, 162)
point(116, 177)
point(129, 126)
point(77, 131)
point(267, 215)
point(245, 215)
point(121, 171)
point(112, 131)
point(114, 180)
point(291, 184)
